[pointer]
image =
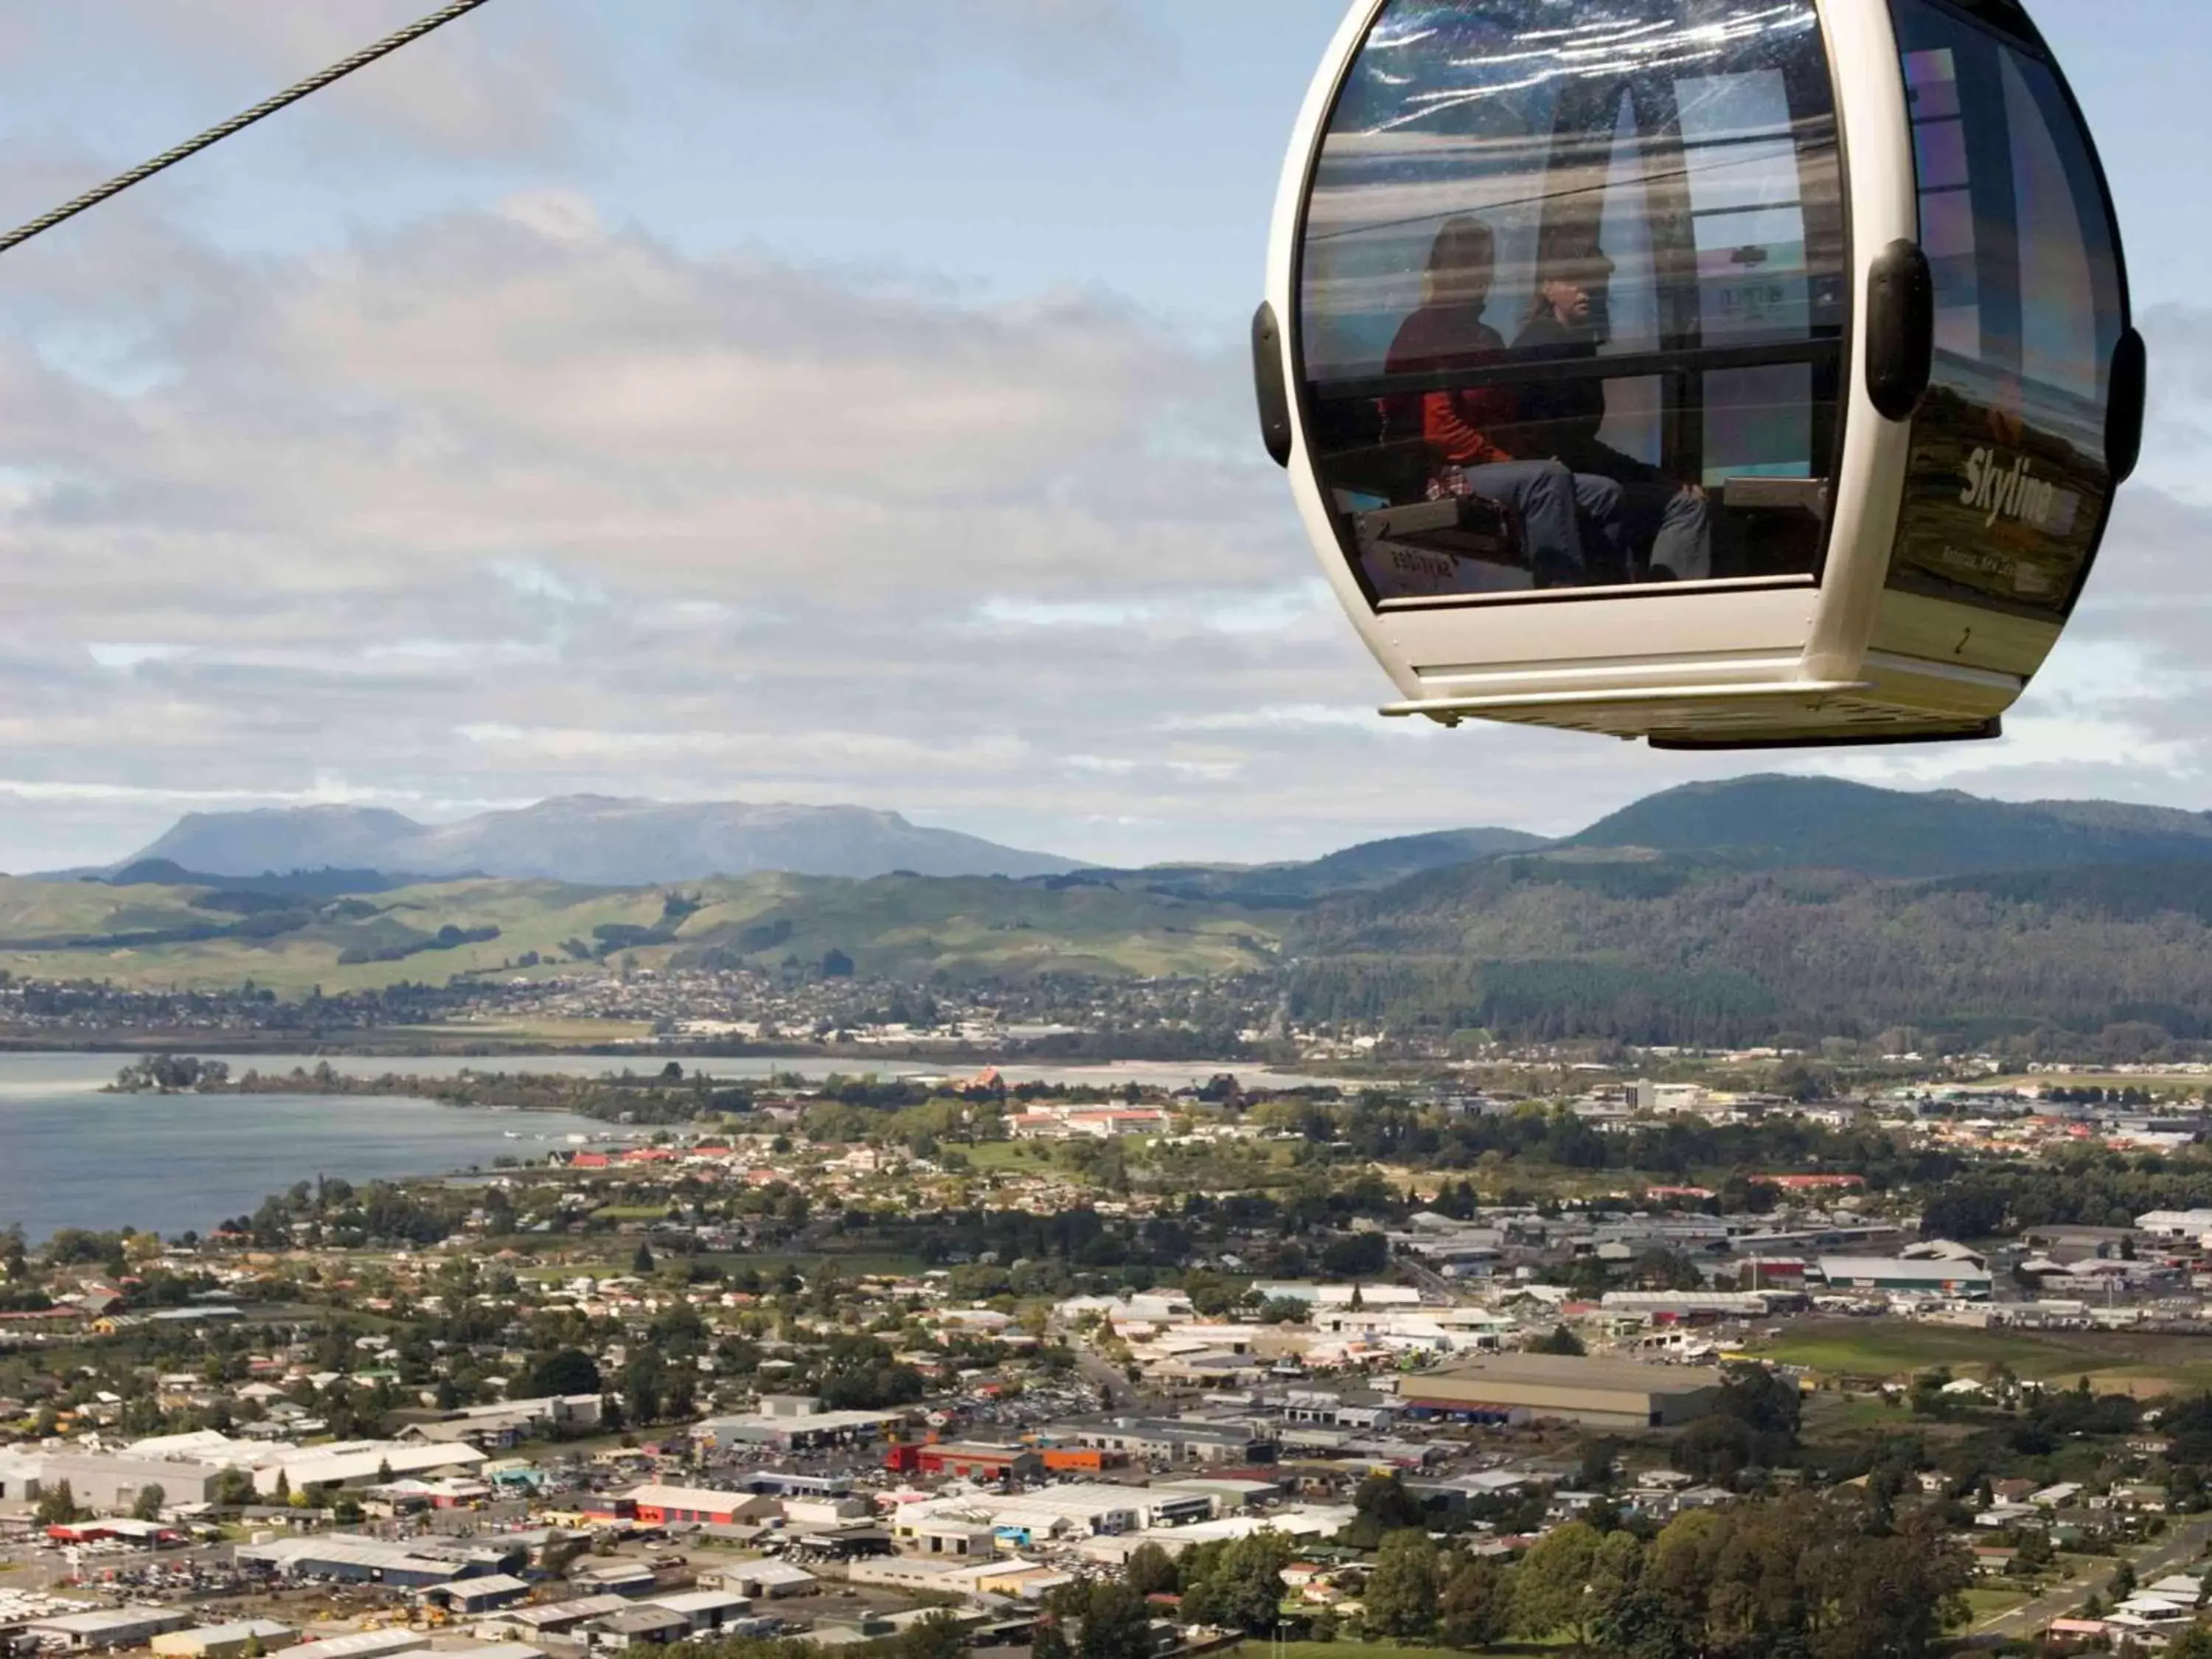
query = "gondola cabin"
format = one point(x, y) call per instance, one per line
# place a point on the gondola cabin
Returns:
point(1725, 372)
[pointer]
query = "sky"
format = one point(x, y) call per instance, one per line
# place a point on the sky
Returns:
point(806, 400)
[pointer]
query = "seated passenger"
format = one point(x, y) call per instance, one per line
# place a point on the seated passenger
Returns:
point(1650, 527)
point(1457, 426)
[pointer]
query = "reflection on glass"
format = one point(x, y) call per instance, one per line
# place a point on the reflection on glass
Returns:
point(2006, 494)
point(1524, 241)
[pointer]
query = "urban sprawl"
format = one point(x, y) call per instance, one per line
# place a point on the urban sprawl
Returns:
point(1645, 1354)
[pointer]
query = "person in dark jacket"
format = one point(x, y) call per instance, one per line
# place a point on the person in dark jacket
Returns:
point(1650, 527)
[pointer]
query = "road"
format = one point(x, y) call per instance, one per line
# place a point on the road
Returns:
point(2153, 1561)
point(1112, 1382)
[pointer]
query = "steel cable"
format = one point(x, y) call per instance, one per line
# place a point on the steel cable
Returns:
point(238, 122)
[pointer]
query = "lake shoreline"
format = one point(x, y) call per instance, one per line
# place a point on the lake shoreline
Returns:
point(168, 1164)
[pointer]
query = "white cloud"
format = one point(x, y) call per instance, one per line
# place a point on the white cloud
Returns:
point(523, 502)
point(123, 658)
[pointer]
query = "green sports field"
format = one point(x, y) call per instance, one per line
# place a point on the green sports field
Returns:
point(2113, 1360)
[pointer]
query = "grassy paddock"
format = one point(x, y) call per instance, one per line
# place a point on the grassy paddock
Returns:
point(2117, 1361)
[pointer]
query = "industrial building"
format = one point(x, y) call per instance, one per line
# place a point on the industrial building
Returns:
point(361, 1644)
point(102, 1630)
point(762, 1581)
point(488, 1593)
point(419, 1563)
point(656, 1505)
point(359, 1464)
point(1611, 1394)
point(547, 1619)
point(2175, 1224)
point(786, 1429)
point(1171, 1441)
point(105, 1483)
point(235, 1640)
point(1954, 1276)
point(506, 1423)
point(976, 1461)
point(1690, 1305)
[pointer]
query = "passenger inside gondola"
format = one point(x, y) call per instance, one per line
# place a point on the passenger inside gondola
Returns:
point(1462, 426)
point(1642, 524)
point(1589, 514)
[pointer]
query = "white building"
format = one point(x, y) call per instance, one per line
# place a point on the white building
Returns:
point(2175, 1224)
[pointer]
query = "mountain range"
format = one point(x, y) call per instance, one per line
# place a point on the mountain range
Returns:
point(1756, 910)
point(593, 840)
point(1768, 822)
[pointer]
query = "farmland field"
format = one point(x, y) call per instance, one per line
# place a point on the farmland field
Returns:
point(2141, 1363)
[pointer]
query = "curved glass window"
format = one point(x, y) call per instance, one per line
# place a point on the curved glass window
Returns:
point(1573, 297)
point(2007, 495)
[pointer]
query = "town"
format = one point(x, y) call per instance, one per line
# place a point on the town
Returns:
point(926, 1362)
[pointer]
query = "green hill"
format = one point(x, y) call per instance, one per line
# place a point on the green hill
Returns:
point(1825, 823)
point(1372, 863)
point(1647, 947)
point(196, 936)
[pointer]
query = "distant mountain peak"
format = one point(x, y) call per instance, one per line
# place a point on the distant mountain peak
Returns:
point(596, 840)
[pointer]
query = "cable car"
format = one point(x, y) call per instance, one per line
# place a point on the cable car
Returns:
point(1727, 373)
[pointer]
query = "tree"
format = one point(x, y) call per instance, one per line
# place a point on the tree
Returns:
point(1802, 1575)
point(644, 1382)
point(1239, 1585)
point(1401, 1591)
point(1615, 1576)
point(1151, 1571)
point(1383, 1499)
point(937, 1637)
point(860, 1373)
point(1595, 1471)
point(56, 1505)
point(564, 1371)
point(1560, 1341)
point(1116, 1625)
point(1551, 1588)
point(149, 1504)
point(1477, 1604)
point(643, 1264)
point(1358, 1255)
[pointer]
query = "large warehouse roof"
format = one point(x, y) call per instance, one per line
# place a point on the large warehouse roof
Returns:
point(1566, 1371)
point(1614, 1392)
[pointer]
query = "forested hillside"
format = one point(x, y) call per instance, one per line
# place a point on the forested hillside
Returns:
point(1826, 823)
point(1642, 947)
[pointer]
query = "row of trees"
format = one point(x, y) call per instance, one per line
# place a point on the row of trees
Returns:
point(2094, 1188)
point(1824, 1577)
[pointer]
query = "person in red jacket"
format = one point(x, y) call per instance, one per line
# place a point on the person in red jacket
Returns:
point(1461, 427)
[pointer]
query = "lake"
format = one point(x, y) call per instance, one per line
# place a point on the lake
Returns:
point(77, 1157)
